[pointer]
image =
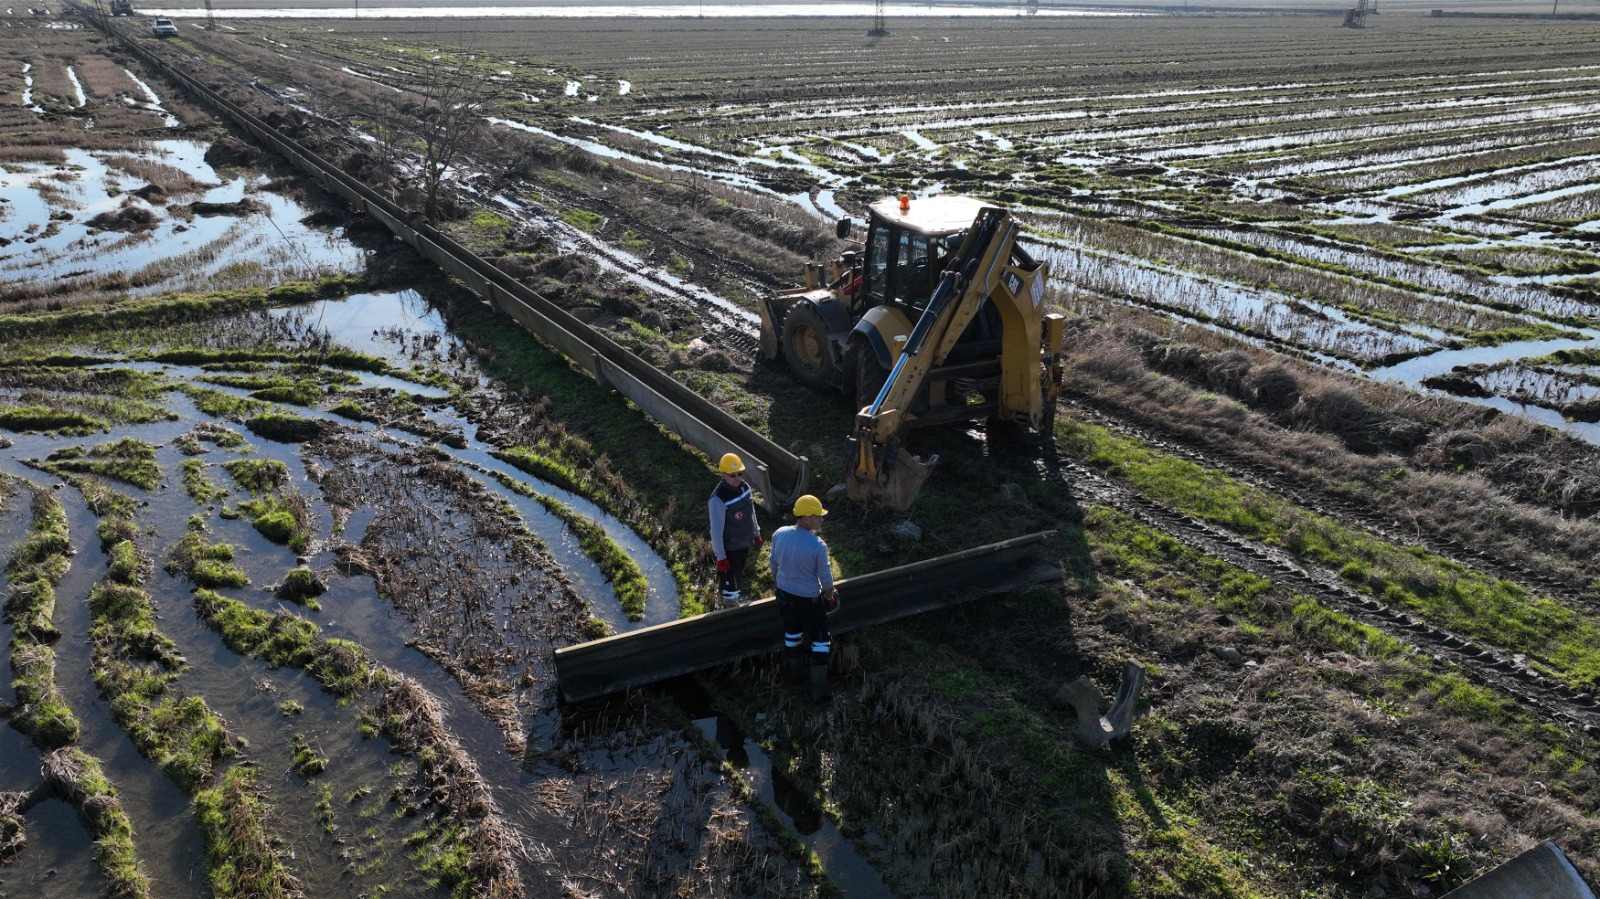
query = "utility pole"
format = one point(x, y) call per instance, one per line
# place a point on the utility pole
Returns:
point(879, 26)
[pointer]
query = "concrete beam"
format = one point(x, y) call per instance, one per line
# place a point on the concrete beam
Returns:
point(651, 654)
point(1542, 872)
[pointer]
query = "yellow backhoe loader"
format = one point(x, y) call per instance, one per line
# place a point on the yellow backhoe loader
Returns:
point(939, 318)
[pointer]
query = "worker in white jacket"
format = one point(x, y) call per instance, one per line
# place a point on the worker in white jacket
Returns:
point(804, 577)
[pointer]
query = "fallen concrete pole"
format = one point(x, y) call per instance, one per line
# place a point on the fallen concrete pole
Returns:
point(1542, 872)
point(652, 654)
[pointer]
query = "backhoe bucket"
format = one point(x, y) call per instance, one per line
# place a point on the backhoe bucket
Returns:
point(897, 480)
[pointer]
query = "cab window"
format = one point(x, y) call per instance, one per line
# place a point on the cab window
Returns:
point(877, 283)
point(913, 275)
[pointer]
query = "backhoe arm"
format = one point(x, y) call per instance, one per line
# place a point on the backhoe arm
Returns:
point(968, 279)
point(880, 470)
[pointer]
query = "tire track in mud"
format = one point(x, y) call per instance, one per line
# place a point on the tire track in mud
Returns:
point(725, 327)
point(1510, 675)
point(1367, 516)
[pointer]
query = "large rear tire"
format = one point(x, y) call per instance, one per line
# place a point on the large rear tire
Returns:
point(805, 346)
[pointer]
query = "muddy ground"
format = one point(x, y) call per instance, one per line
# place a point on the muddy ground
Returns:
point(1366, 611)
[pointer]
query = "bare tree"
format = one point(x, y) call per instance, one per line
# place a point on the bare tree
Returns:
point(455, 95)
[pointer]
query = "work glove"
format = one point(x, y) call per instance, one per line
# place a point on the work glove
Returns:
point(760, 540)
point(722, 566)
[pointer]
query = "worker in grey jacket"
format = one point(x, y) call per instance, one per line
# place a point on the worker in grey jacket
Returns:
point(734, 531)
point(804, 578)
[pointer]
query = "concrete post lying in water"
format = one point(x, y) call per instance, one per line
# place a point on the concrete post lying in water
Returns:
point(1542, 872)
point(1095, 729)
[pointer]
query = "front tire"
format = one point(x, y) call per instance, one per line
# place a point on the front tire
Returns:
point(807, 349)
point(868, 376)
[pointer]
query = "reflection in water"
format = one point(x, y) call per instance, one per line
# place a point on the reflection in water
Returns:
point(853, 874)
point(731, 739)
point(805, 815)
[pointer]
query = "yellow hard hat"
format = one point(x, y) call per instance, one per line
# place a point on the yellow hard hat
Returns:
point(807, 506)
point(730, 464)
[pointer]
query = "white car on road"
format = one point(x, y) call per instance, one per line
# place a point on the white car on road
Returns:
point(164, 28)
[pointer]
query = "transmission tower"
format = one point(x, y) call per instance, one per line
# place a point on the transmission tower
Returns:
point(211, 19)
point(879, 28)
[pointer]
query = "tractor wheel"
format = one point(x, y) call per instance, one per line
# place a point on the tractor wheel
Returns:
point(805, 345)
point(869, 376)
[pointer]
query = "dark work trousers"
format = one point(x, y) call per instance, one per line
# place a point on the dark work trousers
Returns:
point(733, 579)
point(805, 621)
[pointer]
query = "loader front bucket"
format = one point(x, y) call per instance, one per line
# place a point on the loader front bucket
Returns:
point(896, 482)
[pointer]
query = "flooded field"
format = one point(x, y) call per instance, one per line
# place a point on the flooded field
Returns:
point(294, 525)
point(1252, 197)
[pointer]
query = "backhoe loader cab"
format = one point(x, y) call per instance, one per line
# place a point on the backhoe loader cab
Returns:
point(938, 318)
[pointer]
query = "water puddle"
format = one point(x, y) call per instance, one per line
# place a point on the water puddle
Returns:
point(165, 832)
point(59, 861)
point(152, 101)
point(1252, 311)
point(1429, 277)
point(81, 98)
point(155, 245)
point(27, 90)
point(375, 323)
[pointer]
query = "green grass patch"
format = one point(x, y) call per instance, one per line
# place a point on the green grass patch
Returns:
point(221, 404)
point(285, 428)
point(196, 484)
point(258, 476)
point(1536, 331)
point(247, 861)
point(305, 759)
point(614, 562)
point(332, 357)
point(91, 793)
point(276, 520)
point(583, 220)
point(44, 420)
point(205, 563)
point(300, 393)
point(127, 460)
point(443, 854)
point(37, 565)
point(301, 585)
point(548, 469)
point(284, 640)
point(41, 711)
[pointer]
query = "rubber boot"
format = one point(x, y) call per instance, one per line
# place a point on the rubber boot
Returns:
point(820, 691)
point(798, 663)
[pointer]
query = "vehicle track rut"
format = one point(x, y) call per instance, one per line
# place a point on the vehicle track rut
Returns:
point(1512, 675)
point(1368, 517)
